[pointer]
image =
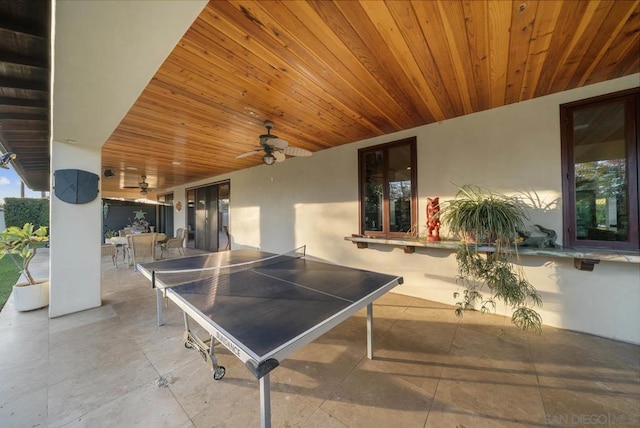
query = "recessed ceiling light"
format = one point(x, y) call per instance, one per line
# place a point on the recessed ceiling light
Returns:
point(175, 163)
point(131, 168)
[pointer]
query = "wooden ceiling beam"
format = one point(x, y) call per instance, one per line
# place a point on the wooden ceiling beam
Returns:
point(23, 102)
point(25, 27)
point(30, 85)
point(24, 116)
point(24, 61)
point(19, 128)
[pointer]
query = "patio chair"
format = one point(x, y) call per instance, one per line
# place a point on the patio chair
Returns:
point(110, 250)
point(141, 246)
point(177, 242)
point(228, 246)
point(125, 232)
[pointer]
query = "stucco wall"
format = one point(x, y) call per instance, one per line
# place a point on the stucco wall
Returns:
point(314, 201)
point(74, 258)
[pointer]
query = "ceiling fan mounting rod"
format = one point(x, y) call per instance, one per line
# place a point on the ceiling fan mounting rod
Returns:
point(268, 124)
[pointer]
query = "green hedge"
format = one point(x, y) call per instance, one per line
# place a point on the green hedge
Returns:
point(18, 211)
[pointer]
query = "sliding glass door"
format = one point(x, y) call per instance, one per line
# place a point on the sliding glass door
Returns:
point(165, 214)
point(208, 215)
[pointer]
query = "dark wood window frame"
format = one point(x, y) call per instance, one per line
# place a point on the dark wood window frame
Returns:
point(631, 98)
point(386, 232)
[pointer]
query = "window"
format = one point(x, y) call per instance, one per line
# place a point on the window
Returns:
point(600, 151)
point(388, 202)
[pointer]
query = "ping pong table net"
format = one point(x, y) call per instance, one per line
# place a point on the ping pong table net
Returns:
point(172, 278)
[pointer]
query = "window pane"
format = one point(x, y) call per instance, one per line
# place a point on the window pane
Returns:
point(600, 165)
point(400, 188)
point(373, 186)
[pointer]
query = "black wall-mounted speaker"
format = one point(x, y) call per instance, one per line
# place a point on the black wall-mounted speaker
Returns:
point(75, 186)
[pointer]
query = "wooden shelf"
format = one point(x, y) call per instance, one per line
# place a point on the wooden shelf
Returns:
point(583, 259)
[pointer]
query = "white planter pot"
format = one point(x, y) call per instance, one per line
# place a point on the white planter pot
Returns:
point(30, 297)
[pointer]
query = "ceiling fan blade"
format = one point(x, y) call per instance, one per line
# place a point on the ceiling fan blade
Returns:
point(280, 157)
point(277, 143)
point(252, 152)
point(296, 151)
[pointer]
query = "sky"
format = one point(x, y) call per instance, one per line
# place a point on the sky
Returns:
point(10, 185)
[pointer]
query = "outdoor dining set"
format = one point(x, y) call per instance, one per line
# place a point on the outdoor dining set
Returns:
point(138, 246)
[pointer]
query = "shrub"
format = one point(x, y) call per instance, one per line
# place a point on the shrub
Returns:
point(18, 211)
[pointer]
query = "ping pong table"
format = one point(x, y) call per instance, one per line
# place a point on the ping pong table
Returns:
point(262, 306)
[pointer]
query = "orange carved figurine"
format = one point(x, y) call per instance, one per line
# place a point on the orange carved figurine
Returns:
point(433, 220)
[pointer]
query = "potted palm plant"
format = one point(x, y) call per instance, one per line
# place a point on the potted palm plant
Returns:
point(21, 244)
point(489, 223)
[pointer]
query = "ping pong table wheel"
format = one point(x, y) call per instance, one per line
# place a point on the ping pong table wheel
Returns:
point(219, 372)
point(188, 345)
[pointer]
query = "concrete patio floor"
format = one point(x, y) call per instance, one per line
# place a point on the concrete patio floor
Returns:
point(101, 367)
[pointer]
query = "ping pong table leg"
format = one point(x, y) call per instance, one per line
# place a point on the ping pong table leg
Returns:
point(370, 331)
point(265, 402)
point(159, 306)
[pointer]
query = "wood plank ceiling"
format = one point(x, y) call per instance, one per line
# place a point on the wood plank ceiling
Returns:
point(332, 72)
point(24, 88)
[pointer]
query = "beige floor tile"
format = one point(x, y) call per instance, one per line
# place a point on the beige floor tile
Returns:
point(415, 339)
point(11, 319)
point(27, 410)
point(239, 408)
point(79, 319)
point(583, 406)
point(90, 348)
point(195, 389)
point(148, 406)
point(315, 370)
point(321, 419)
point(489, 403)
point(288, 408)
point(476, 348)
point(23, 345)
point(167, 355)
point(371, 397)
point(21, 377)
point(75, 396)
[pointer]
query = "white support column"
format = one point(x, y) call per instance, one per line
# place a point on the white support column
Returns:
point(75, 236)
point(370, 331)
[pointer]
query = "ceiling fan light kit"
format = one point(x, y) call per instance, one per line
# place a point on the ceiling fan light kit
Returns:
point(142, 185)
point(275, 149)
point(268, 159)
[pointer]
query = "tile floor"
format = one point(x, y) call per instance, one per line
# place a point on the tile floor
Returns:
point(100, 368)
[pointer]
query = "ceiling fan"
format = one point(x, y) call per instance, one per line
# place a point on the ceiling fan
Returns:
point(142, 185)
point(275, 149)
point(6, 158)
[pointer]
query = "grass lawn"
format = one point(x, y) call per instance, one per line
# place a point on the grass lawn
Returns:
point(9, 273)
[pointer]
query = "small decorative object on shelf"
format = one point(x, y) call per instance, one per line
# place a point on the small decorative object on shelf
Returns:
point(547, 241)
point(179, 206)
point(433, 219)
